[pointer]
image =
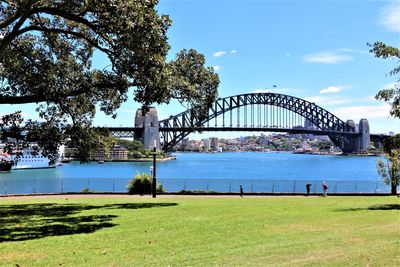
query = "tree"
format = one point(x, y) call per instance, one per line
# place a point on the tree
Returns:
point(46, 52)
point(391, 95)
point(390, 168)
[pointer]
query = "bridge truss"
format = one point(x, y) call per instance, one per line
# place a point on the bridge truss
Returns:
point(257, 112)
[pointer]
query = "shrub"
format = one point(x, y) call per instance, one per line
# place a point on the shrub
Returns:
point(159, 189)
point(86, 190)
point(137, 154)
point(141, 184)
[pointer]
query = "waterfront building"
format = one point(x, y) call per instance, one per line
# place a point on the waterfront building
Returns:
point(100, 153)
point(195, 145)
point(70, 152)
point(119, 152)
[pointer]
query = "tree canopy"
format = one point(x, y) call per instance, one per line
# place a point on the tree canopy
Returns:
point(46, 53)
point(390, 95)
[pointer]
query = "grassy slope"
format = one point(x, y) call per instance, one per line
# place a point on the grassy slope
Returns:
point(334, 231)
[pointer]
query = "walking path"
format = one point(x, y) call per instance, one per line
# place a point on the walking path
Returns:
point(77, 196)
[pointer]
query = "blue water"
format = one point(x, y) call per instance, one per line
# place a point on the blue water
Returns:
point(199, 171)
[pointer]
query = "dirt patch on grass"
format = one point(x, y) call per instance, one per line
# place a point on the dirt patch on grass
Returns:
point(15, 256)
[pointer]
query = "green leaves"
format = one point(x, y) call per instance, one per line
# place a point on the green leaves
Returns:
point(390, 170)
point(390, 95)
point(46, 51)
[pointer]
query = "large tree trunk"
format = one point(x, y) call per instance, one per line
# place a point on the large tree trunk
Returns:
point(393, 187)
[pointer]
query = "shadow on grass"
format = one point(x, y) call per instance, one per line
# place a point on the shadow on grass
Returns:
point(375, 207)
point(32, 221)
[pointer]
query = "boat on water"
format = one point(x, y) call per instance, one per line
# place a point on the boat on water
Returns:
point(29, 158)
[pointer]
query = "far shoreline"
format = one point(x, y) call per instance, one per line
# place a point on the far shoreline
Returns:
point(132, 160)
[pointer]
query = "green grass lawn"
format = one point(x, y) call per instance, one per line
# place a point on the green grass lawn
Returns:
point(190, 231)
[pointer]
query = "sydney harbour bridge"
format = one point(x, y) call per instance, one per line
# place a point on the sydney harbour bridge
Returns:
point(255, 112)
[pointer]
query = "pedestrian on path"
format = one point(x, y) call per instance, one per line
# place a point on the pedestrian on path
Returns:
point(241, 191)
point(324, 189)
point(308, 187)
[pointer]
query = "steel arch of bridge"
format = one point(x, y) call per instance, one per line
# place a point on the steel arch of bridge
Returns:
point(177, 127)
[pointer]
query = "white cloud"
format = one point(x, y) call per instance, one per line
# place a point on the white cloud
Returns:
point(217, 68)
point(330, 90)
point(389, 17)
point(323, 100)
point(233, 51)
point(219, 53)
point(358, 112)
point(327, 58)
point(389, 86)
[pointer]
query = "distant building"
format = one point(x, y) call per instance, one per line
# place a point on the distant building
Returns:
point(100, 153)
point(264, 140)
point(70, 152)
point(324, 138)
point(207, 144)
point(218, 149)
point(185, 142)
point(214, 142)
point(119, 152)
point(308, 125)
point(392, 134)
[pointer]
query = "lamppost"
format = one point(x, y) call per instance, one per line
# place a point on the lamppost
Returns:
point(151, 172)
point(154, 182)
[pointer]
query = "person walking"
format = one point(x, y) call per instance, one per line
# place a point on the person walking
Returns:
point(308, 187)
point(241, 191)
point(324, 189)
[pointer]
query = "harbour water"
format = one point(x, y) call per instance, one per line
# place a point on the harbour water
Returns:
point(224, 172)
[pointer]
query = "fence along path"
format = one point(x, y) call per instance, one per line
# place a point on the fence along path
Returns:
point(17, 186)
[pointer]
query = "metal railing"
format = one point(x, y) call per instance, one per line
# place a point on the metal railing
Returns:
point(16, 186)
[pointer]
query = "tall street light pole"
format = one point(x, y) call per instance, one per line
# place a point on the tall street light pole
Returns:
point(154, 182)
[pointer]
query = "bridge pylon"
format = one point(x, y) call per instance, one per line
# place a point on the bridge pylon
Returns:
point(150, 134)
point(357, 143)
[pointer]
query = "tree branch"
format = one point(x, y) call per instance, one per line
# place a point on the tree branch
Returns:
point(26, 99)
point(10, 20)
point(68, 16)
point(34, 98)
point(76, 34)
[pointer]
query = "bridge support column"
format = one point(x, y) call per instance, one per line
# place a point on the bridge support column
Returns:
point(364, 139)
point(150, 135)
point(355, 144)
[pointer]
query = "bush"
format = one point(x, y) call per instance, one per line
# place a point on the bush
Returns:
point(141, 184)
point(136, 154)
point(159, 189)
point(86, 190)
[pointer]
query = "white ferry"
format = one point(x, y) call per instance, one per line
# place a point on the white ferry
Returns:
point(31, 160)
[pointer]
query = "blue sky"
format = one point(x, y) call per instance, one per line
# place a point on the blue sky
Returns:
point(310, 49)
